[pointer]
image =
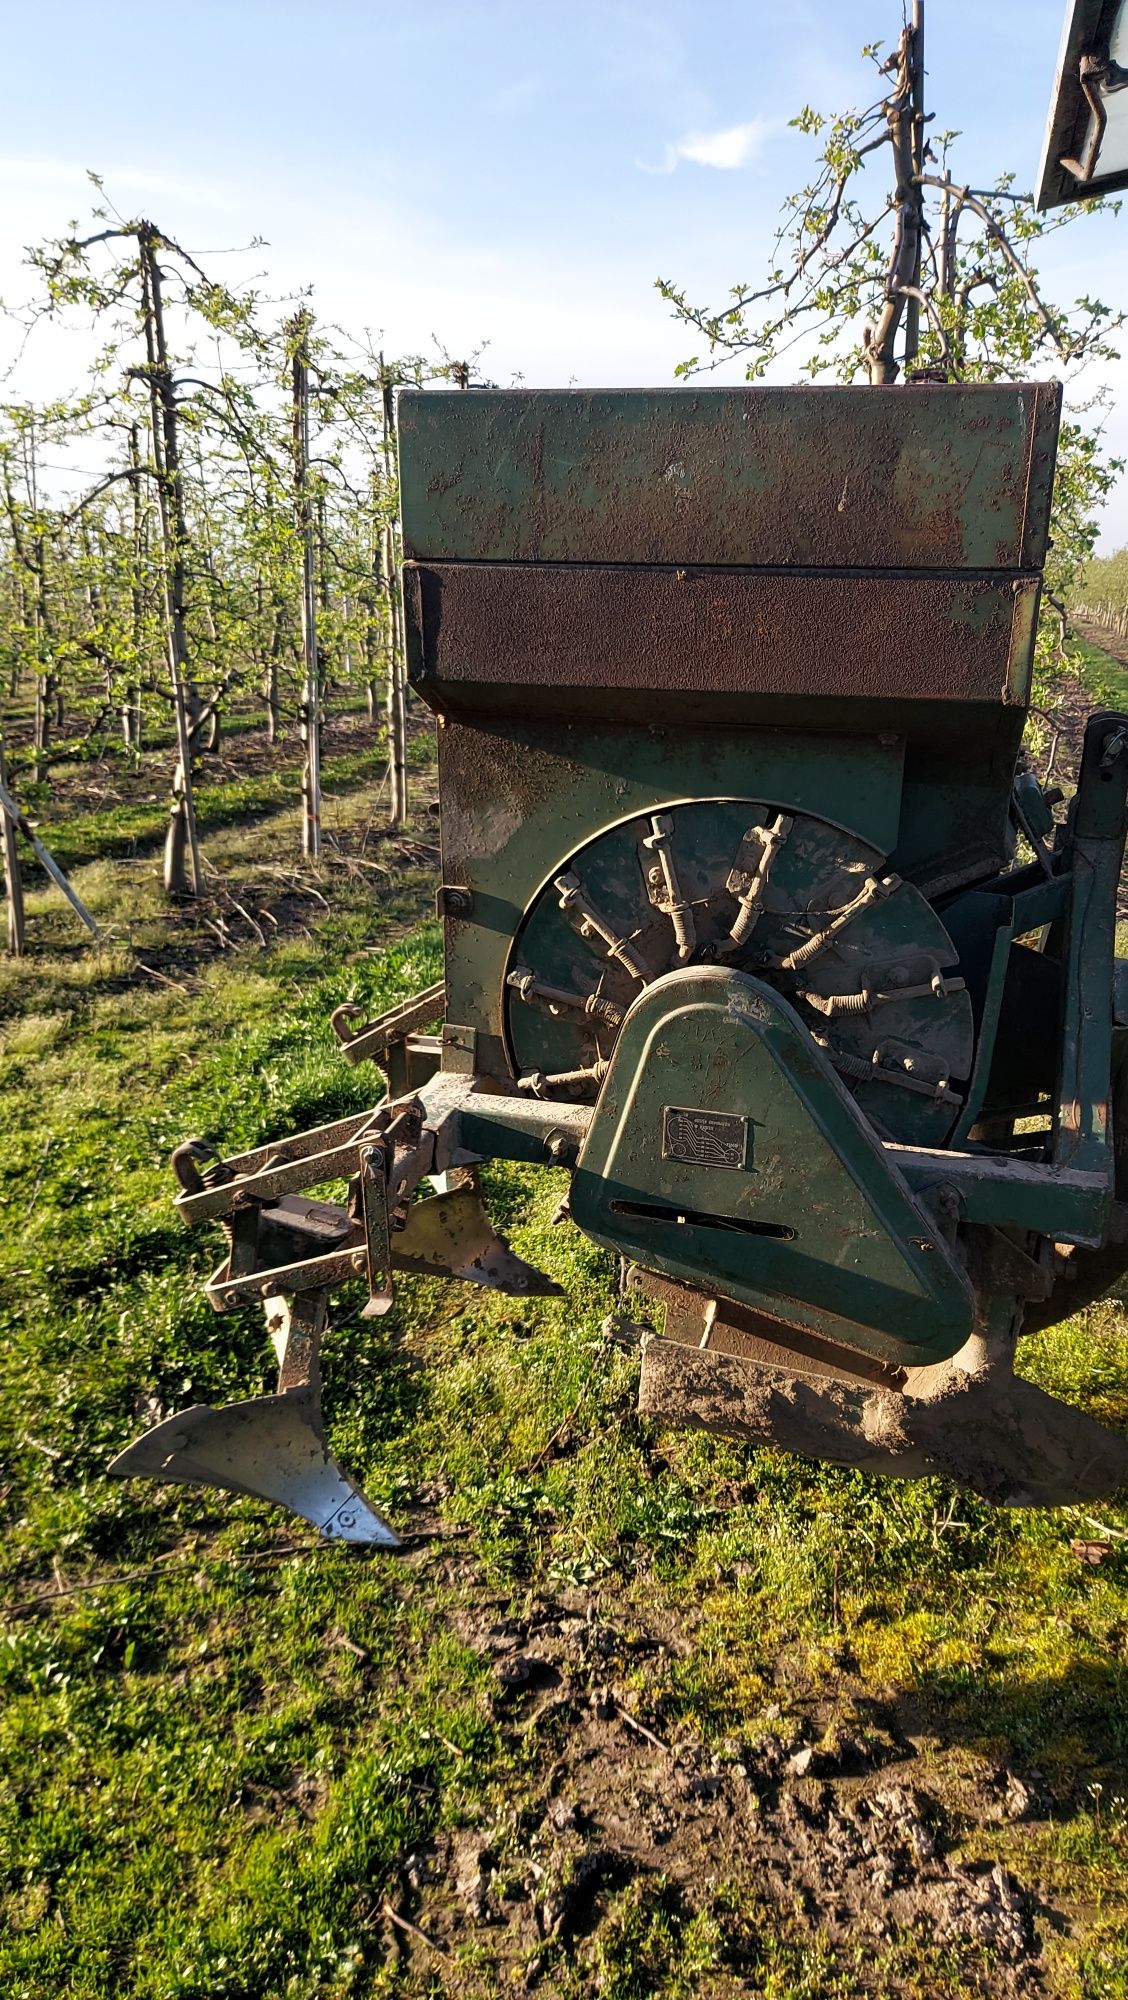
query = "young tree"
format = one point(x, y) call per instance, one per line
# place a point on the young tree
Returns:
point(30, 532)
point(304, 518)
point(120, 273)
point(921, 275)
point(243, 529)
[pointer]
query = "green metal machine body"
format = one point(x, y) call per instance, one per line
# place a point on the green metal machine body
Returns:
point(752, 920)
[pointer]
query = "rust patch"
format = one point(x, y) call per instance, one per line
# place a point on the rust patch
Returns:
point(752, 634)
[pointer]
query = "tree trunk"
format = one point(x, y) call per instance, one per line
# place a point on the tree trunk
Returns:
point(183, 875)
point(326, 654)
point(902, 113)
point(41, 728)
point(304, 522)
point(46, 684)
point(270, 695)
point(368, 605)
point(912, 304)
point(130, 720)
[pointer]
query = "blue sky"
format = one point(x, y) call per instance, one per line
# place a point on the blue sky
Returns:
point(494, 172)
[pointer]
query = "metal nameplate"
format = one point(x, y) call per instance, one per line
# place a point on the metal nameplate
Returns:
point(704, 1138)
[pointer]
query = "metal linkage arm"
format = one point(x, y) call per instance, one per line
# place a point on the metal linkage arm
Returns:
point(372, 1041)
point(281, 1244)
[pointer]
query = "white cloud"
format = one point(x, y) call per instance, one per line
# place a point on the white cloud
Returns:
point(733, 146)
point(730, 148)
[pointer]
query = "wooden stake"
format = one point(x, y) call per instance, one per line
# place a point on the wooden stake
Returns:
point(10, 811)
point(13, 880)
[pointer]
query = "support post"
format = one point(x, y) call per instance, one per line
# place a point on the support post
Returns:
point(13, 880)
point(10, 812)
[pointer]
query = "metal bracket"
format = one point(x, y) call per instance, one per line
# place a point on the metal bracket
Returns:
point(749, 877)
point(590, 924)
point(460, 1049)
point(377, 1230)
point(662, 886)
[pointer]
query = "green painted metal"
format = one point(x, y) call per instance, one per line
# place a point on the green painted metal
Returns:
point(771, 1187)
point(1083, 1113)
point(992, 1188)
point(568, 723)
point(557, 540)
point(817, 866)
point(843, 478)
point(518, 802)
point(996, 912)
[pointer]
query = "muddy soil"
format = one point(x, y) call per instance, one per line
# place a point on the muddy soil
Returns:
point(834, 1817)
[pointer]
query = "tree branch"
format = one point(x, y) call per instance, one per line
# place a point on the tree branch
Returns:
point(998, 234)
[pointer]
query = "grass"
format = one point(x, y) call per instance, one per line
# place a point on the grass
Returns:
point(222, 1761)
point(1105, 679)
point(120, 830)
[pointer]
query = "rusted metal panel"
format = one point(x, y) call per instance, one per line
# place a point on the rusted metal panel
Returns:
point(480, 629)
point(954, 477)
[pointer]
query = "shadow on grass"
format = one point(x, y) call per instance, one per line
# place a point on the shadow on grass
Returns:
point(1069, 1732)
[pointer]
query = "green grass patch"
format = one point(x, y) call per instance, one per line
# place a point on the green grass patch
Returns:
point(127, 829)
point(1104, 677)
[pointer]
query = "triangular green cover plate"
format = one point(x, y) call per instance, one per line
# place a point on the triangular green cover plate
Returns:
point(725, 1152)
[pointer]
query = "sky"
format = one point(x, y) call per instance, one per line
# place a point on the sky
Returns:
point(492, 175)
